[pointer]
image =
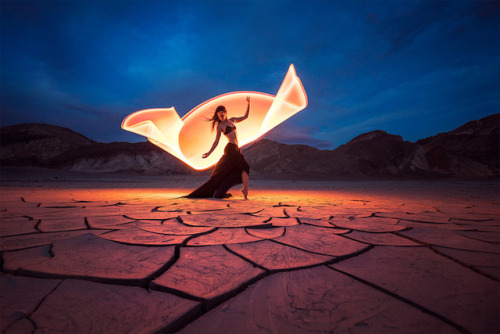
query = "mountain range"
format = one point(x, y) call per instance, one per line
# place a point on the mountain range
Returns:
point(470, 151)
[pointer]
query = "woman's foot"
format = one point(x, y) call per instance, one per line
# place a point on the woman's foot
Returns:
point(245, 192)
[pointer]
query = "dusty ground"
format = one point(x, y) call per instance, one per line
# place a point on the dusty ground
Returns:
point(121, 255)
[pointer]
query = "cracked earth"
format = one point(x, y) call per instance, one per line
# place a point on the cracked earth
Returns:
point(310, 261)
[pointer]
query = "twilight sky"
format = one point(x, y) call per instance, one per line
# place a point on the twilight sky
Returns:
point(412, 68)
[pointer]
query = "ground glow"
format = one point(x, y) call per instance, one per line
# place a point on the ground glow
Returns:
point(188, 138)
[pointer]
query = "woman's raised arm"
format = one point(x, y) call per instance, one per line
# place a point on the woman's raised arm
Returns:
point(239, 119)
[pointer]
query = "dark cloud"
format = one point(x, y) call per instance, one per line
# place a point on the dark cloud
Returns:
point(404, 24)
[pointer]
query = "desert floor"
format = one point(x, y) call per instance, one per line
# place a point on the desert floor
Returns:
point(128, 255)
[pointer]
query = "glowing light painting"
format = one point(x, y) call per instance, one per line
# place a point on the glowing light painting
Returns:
point(188, 138)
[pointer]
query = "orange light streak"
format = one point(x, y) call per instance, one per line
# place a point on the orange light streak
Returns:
point(188, 138)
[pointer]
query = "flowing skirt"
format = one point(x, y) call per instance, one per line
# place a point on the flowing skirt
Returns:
point(226, 174)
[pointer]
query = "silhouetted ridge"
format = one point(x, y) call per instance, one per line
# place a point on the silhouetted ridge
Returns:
point(470, 151)
point(32, 144)
point(477, 140)
point(141, 157)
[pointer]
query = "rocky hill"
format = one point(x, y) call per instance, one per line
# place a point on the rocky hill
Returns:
point(49, 146)
point(35, 144)
point(142, 157)
point(373, 154)
point(470, 151)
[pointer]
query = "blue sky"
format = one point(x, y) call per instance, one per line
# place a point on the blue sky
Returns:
point(412, 68)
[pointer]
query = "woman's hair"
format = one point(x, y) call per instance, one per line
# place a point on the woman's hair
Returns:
point(215, 117)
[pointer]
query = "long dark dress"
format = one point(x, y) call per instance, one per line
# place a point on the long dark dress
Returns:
point(226, 174)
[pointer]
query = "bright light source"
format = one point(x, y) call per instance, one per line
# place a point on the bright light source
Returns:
point(188, 138)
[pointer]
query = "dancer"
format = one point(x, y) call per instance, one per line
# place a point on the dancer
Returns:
point(232, 168)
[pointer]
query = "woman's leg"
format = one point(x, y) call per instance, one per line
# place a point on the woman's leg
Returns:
point(244, 179)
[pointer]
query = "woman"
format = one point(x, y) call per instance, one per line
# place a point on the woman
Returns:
point(232, 168)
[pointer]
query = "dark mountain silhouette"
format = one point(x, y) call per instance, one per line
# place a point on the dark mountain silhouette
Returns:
point(470, 151)
point(137, 157)
point(373, 154)
point(33, 144)
point(49, 146)
point(474, 145)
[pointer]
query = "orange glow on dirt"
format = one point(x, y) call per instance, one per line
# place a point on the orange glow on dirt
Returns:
point(188, 138)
